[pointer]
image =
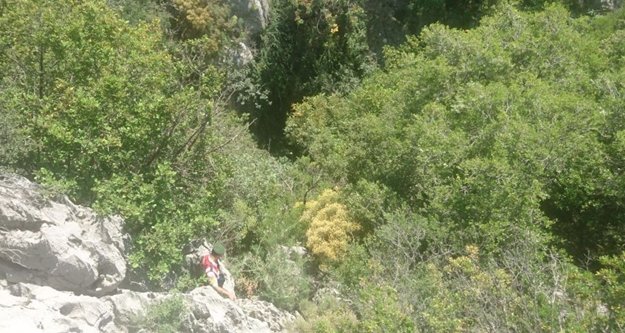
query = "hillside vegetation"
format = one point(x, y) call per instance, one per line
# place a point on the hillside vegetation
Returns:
point(448, 168)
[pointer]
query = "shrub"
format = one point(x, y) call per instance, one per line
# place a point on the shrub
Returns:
point(469, 292)
point(612, 276)
point(165, 316)
point(274, 276)
point(328, 314)
point(308, 47)
point(15, 143)
point(329, 227)
point(381, 311)
point(163, 213)
point(197, 17)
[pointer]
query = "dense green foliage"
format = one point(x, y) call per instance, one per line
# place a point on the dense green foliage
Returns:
point(465, 175)
point(492, 130)
point(312, 47)
point(118, 118)
point(309, 47)
point(506, 132)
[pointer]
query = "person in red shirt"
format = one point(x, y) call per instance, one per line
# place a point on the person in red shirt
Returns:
point(213, 267)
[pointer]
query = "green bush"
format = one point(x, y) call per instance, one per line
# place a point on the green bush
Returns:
point(510, 125)
point(612, 277)
point(328, 314)
point(279, 278)
point(166, 316)
point(380, 310)
point(160, 216)
point(15, 143)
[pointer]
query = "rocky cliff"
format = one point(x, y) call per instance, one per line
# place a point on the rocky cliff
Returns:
point(61, 267)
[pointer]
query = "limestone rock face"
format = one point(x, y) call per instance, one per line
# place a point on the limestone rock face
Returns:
point(51, 241)
point(253, 16)
point(276, 319)
point(213, 313)
point(206, 311)
point(253, 12)
point(31, 308)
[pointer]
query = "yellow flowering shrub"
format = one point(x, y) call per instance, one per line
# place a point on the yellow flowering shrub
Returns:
point(197, 18)
point(329, 227)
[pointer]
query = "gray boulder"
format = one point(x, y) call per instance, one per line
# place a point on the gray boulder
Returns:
point(51, 241)
point(276, 319)
point(31, 308)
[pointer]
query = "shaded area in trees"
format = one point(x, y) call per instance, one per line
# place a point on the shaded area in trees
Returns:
point(309, 47)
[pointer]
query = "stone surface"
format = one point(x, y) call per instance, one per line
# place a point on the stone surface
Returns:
point(276, 319)
point(50, 241)
point(294, 252)
point(242, 55)
point(213, 313)
point(254, 13)
point(207, 311)
point(31, 308)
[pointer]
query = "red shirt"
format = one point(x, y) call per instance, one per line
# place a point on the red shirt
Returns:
point(212, 269)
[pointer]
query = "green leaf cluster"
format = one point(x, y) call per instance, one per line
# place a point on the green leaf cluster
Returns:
point(164, 316)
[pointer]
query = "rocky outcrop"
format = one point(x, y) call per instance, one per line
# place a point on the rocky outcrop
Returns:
point(253, 16)
point(254, 13)
point(31, 308)
point(205, 311)
point(55, 243)
point(61, 266)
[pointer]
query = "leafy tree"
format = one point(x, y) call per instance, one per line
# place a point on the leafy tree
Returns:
point(196, 18)
point(90, 88)
point(137, 11)
point(391, 22)
point(15, 144)
point(612, 275)
point(129, 123)
point(308, 47)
